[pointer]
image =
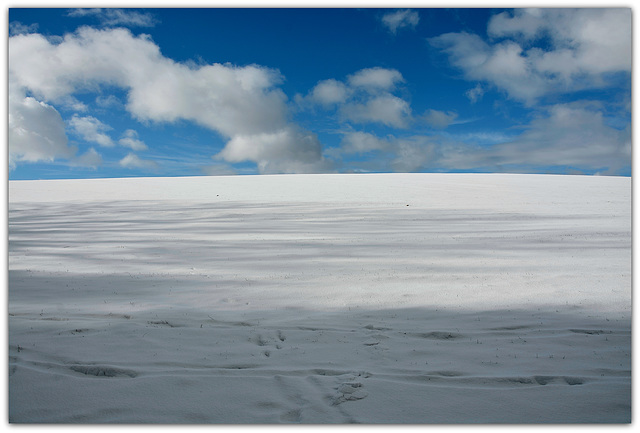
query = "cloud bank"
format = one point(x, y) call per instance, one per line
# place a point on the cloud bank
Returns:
point(537, 52)
point(573, 136)
point(242, 104)
point(538, 58)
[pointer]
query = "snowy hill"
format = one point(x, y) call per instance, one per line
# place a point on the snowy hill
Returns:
point(379, 298)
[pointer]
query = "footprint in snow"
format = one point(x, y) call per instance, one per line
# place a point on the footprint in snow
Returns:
point(349, 391)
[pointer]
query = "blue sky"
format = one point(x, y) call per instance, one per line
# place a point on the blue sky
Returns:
point(182, 92)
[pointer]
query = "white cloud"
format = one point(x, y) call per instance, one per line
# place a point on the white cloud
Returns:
point(386, 109)
point(106, 101)
point(329, 92)
point(475, 94)
point(365, 98)
point(439, 119)
point(501, 65)
point(363, 142)
point(400, 19)
point(133, 161)
point(17, 28)
point(72, 103)
point(376, 79)
point(219, 169)
point(571, 134)
point(402, 154)
point(228, 99)
point(587, 40)
point(290, 149)
point(526, 22)
point(235, 101)
point(130, 139)
point(574, 135)
point(583, 45)
point(36, 131)
point(91, 129)
point(117, 17)
point(413, 154)
point(91, 158)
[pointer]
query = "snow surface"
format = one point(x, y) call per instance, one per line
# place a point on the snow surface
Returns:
point(380, 298)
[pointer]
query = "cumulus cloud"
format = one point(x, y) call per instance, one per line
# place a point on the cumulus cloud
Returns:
point(386, 109)
point(36, 131)
point(366, 96)
point(439, 119)
point(376, 79)
point(291, 146)
point(535, 52)
point(400, 19)
point(236, 102)
point(91, 129)
point(329, 92)
point(134, 161)
point(232, 100)
point(117, 17)
point(130, 139)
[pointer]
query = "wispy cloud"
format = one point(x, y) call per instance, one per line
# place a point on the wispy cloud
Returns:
point(406, 18)
point(219, 169)
point(574, 135)
point(134, 161)
point(90, 159)
point(475, 94)
point(117, 17)
point(18, 28)
point(571, 135)
point(402, 154)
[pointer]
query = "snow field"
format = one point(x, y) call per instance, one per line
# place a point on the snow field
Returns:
point(321, 299)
